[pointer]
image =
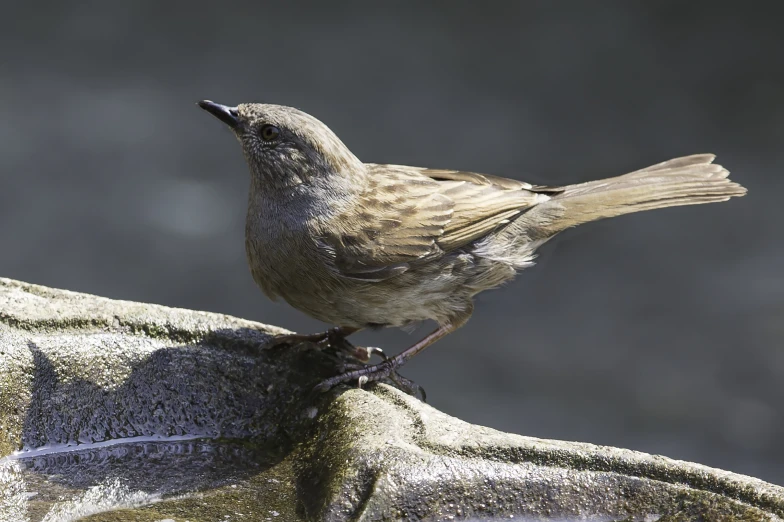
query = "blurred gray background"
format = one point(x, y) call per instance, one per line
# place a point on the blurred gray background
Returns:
point(660, 332)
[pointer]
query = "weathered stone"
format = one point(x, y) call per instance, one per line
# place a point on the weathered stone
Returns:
point(239, 424)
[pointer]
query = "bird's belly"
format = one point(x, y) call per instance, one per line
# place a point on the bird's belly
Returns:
point(358, 305)
point(395, 302)
point(432, 292)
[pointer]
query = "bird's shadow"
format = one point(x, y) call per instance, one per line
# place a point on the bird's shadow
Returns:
point(183, 419)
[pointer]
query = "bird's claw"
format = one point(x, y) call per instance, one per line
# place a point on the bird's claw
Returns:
point(360, 353)
point(333, 340)
point(378, 372)
point(367, 352)
point(364, 374)
point(408, 386)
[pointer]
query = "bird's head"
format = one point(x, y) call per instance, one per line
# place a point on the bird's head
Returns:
point(285, 146)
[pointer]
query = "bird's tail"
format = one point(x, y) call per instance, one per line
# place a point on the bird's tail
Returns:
point(689, 180)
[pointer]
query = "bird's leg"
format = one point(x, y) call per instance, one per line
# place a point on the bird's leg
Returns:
point(334, 338)
point(388, 368)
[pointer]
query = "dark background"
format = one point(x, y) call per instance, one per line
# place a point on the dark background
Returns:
point(660, 332)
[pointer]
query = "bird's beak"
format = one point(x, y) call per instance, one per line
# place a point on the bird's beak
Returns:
point(227, 115)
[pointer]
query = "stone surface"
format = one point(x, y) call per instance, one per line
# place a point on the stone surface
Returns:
point(126, 411)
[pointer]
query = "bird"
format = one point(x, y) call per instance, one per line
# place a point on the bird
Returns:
point(364, 245)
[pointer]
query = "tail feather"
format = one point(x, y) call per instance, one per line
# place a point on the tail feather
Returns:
point(689, 180)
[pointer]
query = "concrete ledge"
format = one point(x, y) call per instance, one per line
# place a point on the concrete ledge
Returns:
point(83, 376)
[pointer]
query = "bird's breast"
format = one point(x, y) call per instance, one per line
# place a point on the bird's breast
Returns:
point(285, 261)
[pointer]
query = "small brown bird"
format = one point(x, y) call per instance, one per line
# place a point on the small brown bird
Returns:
point(362, 245)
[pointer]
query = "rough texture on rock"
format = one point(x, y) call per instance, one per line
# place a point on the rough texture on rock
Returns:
point(239, 424)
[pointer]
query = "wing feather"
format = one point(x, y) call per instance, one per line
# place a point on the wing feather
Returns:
point(410, 215)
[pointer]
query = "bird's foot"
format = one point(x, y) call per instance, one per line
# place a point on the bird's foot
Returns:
point(333, 340)
point(361, 353)
point(377, 372)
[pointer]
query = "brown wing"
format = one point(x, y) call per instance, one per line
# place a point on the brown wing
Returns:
point(482, 203)
point(400, 218)
point(411, 215)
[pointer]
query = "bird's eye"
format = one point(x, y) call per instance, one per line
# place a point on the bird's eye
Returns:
point(269, 132)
